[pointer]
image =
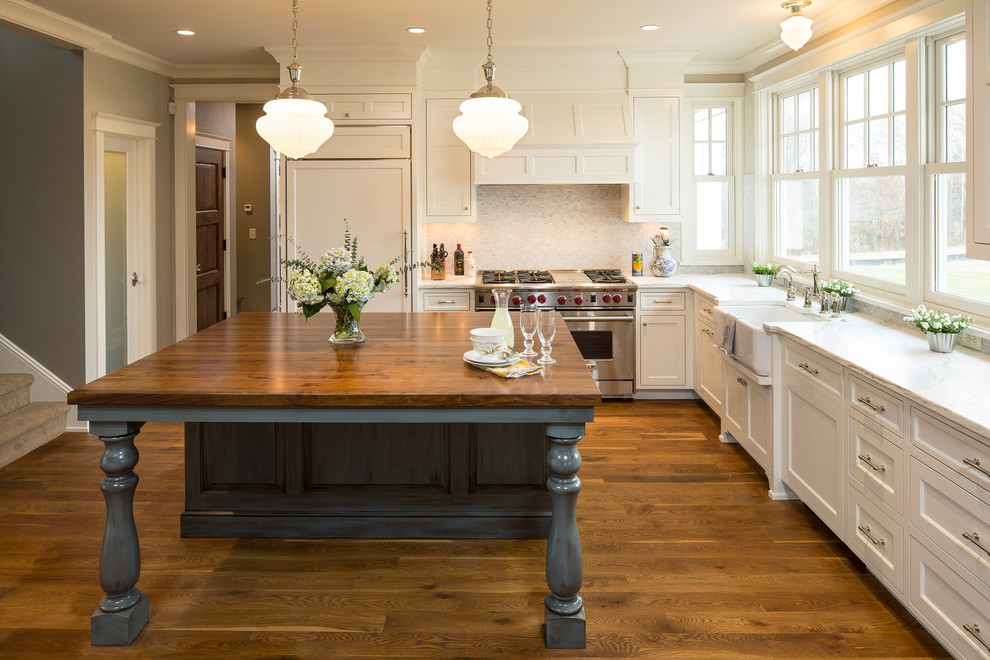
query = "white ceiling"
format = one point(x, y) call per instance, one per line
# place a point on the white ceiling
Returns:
point(237, 31)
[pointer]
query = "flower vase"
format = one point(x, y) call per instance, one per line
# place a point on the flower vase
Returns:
point(663, 265)
point(347, 330)
point(764, 279)
point(942, 342)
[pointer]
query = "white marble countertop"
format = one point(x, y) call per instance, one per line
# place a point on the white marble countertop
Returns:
point(449, 282)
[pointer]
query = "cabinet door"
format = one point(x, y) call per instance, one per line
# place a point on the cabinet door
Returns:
point(735, 410)
point(813, 445)
point(343, 107)
point(978, 127)
point(448, 164)
point(710, 368)
point(662, 354)
point(657, 190)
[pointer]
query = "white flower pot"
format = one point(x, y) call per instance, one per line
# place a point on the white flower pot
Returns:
point(764, 279)
point(942, 342)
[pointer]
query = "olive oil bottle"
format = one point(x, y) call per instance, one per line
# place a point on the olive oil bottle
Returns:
point(458, 260)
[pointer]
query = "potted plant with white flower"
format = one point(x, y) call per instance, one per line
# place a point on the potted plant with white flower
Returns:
point(341, 281)
point(841, 288)
point(940, 328)
point(764, 273)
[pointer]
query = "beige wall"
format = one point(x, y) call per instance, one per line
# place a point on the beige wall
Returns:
point(121, 89)
point(253, 187)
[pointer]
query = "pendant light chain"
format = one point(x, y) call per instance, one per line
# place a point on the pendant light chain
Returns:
point(489, 66)
point(489, 30)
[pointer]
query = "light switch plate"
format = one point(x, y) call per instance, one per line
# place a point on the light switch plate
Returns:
point(252, 233)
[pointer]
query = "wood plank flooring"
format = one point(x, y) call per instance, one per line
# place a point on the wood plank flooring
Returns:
point(684, 556)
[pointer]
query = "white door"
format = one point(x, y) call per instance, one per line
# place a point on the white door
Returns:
point(374, 197)
point(126, 292)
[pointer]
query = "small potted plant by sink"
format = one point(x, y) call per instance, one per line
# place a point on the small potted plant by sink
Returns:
point(840, 288)
point(940, 328)
point(764, 273)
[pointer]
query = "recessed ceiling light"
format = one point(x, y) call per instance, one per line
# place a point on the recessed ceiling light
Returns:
point(416, 30)
point(185, 33)
point(649, 28)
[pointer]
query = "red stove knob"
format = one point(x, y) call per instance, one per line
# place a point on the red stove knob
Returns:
point(542, 298)
point(516, 300)
point(578, 300)
point(492, 298)
point(617, 298)
point(561, 300)
point(532, 299)
point(606, 298)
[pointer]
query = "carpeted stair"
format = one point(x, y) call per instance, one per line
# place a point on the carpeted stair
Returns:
point(24, 425)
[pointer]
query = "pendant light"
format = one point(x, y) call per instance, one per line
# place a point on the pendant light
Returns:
point(490, 123)
point(796, 29)
point(294, 124)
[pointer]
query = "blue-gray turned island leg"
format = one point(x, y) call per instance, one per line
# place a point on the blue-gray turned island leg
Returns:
point(123, 611)
point(565, 623)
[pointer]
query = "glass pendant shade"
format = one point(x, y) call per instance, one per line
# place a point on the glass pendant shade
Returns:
point(795, 31)
point(294, 127)
point(490, 125)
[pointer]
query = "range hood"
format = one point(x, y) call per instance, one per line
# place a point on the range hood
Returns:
point(570, 140)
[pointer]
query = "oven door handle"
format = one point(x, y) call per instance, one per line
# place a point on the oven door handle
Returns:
point(596, 319)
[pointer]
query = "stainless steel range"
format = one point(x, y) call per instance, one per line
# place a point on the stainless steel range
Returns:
point(598, 307)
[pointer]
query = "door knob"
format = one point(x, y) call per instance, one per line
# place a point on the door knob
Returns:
point(199, 268)
point(135, 279)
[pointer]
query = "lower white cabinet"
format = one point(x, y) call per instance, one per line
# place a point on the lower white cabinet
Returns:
point(746, 413)
point(445, 300)
point(812, 444)
point(662, 351)
point(877, 538)
point(708, 374)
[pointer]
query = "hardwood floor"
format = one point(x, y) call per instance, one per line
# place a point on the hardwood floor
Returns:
point(684, 556)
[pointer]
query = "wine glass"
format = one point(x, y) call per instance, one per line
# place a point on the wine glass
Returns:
point(527, 324)
point(546, 327)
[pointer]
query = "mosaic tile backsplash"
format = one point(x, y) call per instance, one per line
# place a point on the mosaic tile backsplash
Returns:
point(551, 227)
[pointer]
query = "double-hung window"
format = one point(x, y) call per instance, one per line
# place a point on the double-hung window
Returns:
point(796, 176)
point(714, 188)
point(871, 200)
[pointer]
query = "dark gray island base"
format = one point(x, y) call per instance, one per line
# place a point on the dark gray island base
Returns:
point(427, 480)
point(290, 437)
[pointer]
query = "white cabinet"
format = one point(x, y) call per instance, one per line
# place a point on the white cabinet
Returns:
point(978, 144)
point(449, 193)
point(662, 340)
point(812, 442)
point(445, 300)
point(746, 412)
point(708, 355)
point(365, 107)
point(656, 192)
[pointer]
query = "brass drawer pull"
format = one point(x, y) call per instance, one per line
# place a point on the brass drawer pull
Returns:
point(975, 463)
point(865, 400)
point(663, 302)
point(708, 332)
point(706, 310)
point(866, 459)
point(975, 538)
point(741, 381)
point(446, 302)
point(974, 630)
point(866, 530)
point(810, 370)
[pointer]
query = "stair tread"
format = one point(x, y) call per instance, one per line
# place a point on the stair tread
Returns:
point(14, 423)
point(10, 382)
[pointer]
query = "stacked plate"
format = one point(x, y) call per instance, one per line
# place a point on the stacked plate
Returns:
point(482, 360)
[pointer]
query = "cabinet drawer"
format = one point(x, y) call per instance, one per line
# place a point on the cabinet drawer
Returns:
point(704, 308)
point(877, 465)
point(965, 455)
point(874, 404)
point(956, 612)
point(661, 302)
point(877, 538)
point(366, 106)
point(447, 301)
point(956, 521)
point(813, 369)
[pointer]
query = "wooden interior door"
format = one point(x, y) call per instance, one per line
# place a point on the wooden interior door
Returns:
point(210, 243)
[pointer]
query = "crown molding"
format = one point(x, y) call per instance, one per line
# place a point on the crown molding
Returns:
point(226, 71)
point(713, 68)
point(65, 31)
point(283, 54)
point(657, 57)
point(135, 57)
point(225, 92)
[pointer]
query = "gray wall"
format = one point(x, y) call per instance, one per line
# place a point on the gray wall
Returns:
point(42, 203)
point(253, 187)
point(127, 91)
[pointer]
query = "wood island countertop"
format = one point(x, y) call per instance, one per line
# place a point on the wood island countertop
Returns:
point(282, 360)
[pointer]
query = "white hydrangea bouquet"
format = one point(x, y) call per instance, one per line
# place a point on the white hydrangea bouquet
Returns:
point(841, 287)
point(342, 281)
point(940, 328)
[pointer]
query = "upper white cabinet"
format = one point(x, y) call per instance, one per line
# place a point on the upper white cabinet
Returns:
point(657, 188)
point(978, 121)
point(570, 140)
point(360, 142)
point(365, 107)
point(449, 193)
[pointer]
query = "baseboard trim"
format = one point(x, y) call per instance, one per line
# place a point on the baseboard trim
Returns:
point(46, 386)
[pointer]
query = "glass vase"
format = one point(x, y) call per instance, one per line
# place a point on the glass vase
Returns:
point(347, 331)
point(941, 342)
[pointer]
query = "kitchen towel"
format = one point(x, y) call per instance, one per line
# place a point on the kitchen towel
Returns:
point(725, 330)
point(517, 370)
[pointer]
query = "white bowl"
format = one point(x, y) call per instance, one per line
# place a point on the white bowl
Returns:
point(487, 340)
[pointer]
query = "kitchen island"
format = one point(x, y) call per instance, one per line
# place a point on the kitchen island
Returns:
point(295, 475)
